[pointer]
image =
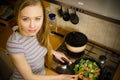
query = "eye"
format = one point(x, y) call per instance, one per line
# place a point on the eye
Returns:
point(25, 19)
point(37, 19)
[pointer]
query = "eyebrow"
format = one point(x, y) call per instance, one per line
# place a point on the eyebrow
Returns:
point(28, 16)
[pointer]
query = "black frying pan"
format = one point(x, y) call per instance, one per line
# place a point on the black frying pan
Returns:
point(60, 12)
point(66, 15)
point(70, 68)
point(77, 61)
point(74, 17)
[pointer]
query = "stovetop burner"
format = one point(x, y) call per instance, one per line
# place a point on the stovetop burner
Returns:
point(108, 60)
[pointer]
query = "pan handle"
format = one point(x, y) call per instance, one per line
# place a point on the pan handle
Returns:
point(58, 34)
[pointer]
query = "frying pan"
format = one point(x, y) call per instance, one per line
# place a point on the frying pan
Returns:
point(66, 15)
point(77, 61)
point(60, 12)
point(70, 68)
point(74, 17)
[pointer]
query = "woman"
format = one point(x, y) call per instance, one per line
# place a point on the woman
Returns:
point(28, 45)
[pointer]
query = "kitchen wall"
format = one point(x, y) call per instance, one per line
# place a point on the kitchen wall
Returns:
point(96, 29)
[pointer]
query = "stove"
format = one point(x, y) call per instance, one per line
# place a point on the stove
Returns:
point(107, 59)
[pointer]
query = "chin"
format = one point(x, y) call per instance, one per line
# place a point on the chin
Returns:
point(32, 34)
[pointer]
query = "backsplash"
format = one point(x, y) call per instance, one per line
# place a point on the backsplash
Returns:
point(96, 29)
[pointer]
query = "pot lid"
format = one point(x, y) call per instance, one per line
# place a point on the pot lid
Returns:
point(76, 39)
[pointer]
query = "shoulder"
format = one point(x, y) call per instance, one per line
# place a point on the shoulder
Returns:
point(14, 44)
point(14, 37)
point(14, 40)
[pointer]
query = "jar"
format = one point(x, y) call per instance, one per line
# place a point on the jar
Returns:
point(52, 22)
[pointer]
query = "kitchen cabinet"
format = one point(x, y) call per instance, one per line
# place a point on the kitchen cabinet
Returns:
point(7, 16)
point(104, 9)
point(46, 4)
point(5, 71)
point(5, 32)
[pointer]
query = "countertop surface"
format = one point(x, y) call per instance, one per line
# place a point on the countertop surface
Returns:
point(50, 72)
point(56, 42)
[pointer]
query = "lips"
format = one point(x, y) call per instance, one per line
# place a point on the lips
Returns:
point(32, 31)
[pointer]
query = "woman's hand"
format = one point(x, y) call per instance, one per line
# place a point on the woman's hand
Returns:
point(68, 77)
point(60, 56)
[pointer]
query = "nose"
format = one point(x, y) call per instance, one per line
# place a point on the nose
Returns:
point(32, 25)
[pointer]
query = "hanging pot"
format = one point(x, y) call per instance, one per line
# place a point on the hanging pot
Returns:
point(60, 12)
point(74, 18)
point(66, 15)
point(76, 41)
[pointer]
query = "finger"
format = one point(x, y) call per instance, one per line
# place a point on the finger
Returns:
point(66, 58)
point(75, 77)
point(62, 60)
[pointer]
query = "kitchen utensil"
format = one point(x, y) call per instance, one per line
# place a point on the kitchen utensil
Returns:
point(66, 15)
point(89, 63)
point(76, 41)
point(69, 69)
point(74, 17)
point(61, 35)
point(60, 12)
point(65, 68)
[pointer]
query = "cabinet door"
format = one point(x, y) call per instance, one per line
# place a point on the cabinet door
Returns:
point(5, 32)
point(5, 71)
point(46, 4)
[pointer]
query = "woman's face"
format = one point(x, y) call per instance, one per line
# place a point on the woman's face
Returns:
point(31, 19)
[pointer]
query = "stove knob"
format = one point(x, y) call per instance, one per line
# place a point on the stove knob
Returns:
point(108, 76)
point(102, 59)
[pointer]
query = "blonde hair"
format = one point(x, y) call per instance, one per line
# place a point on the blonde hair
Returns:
point(43, 34)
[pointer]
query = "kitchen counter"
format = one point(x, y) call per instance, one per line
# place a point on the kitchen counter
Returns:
point(50, 72)
point(5, 32)
point(56, 41)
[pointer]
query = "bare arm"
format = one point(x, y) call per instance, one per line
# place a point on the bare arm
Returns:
point(23, 67)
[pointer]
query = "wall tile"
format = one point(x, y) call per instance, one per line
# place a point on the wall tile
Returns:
point(116, 44)
point(110, 35)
